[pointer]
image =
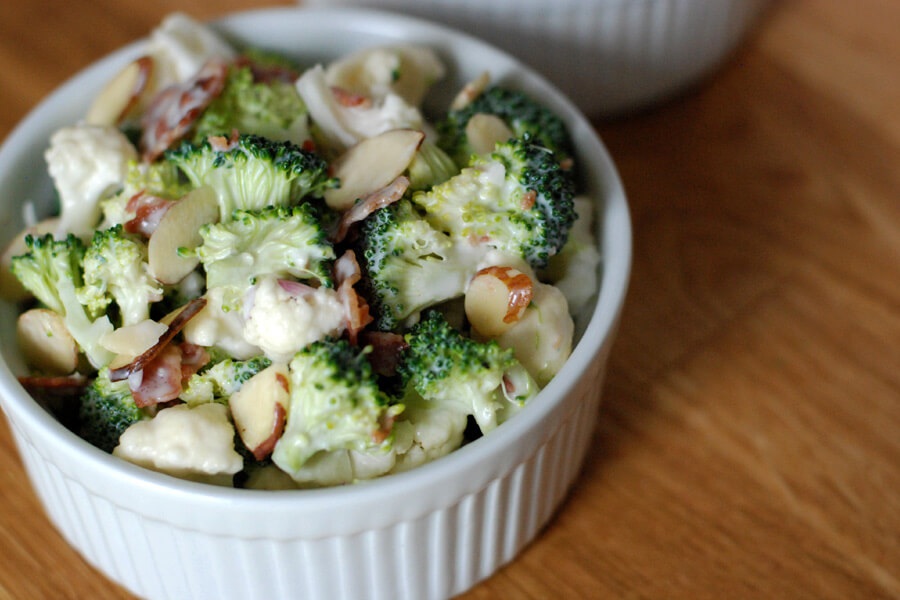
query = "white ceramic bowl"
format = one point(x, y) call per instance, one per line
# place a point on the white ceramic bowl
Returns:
point(608, 55)
point(426, 534)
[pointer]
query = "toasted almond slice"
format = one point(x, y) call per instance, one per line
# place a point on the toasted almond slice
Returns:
point(180, 228)
point(372, 164)
point(133, 340)
point(259, 409)
point(484, 132)
point(496, 299)
point(470, 91)
point(10, 288)
point(122, 93)
point(46, 343)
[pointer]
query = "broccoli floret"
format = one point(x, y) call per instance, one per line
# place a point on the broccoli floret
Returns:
point(115, 268)
point(217, 382)
point(278, 241)
point(160, 179)
point(517, 200)
point(273, 109)
point(410, 265)
point(51, 270)
point(254, 173)
point(450, 370)
point(519, 111)
point(336, 404)
point(430, 166)
point(107, 410)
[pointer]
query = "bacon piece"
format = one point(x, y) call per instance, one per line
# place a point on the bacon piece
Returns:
point(267, 73)
point(193, 357)
point(369, 204)
point(346, 274)
point(177, 324)
point(174, 109)
point(149, 211)
point(349, 99)
point(160, 379)
point(387, 348)
point(385, 424)
point(528, 199)
point(220, 143)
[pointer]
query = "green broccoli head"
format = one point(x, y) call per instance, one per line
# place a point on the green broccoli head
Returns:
point(449, 369)
point(253, 173)
point(51, 270)
point(517, 200)
point(336, 404)
point(160, 179)
point(115, 268)
point(219, 380)
point(519, 111)
point(280, 241)
point(409, 264)
point(107, 409)
point(271, 109)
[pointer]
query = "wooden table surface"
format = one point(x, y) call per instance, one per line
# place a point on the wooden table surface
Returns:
point(749, 443)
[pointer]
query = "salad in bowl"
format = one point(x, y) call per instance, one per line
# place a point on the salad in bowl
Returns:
point(273, 275)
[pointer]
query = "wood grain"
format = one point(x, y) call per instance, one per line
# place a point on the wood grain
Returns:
point(748, 446)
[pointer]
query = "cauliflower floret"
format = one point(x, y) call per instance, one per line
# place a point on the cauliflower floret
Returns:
point(339, 126)
point(407, 71)
point(427, 433)
point(189, 443)
point(281, 323)
point(87, 163)
point(574, 269)
point(180, 46)
point(542, 339)
point(215, 326)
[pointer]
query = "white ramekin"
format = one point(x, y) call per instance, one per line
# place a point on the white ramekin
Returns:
point(609, 56)
point(423, 535)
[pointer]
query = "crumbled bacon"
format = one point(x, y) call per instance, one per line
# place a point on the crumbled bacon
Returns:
point(174, 109)
point(193, 358)
point(267, 73)
point(528, 199)
point(349, 99)
point(308, 145)
point(346, 274)
point(566, 164)
point(385, 424)
point(160, 379)
point(149, 211)
point(387, 348)
point(369, 204)
point(220, 143)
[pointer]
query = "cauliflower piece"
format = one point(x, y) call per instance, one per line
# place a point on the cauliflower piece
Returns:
point(426, 433)
point(180, 46)
point(87, 163)
point(189, 443)
point(542, 339)
point(574, 269)
point(407, 71)
point(215, 326)
point(339, 126)
point(281, 323)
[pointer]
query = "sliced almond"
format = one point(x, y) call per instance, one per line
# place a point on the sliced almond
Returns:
point(470, 91)
point(180, 228)
point(46, 343)
point(496, 299)
point(259, 409)
point(372, 164)
point(10, 288)
point(133, 340)
point(122, 93)
point(484, 131)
